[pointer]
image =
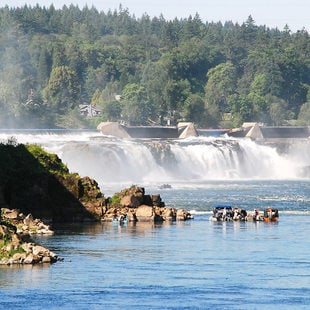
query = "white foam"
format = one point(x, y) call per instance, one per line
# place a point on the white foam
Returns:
point(186, 163)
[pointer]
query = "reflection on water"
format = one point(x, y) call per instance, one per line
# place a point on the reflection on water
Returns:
point(197, 264)
point(21, 276)
point(139, 265)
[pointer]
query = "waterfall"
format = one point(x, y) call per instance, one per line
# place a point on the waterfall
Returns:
point(112, 160)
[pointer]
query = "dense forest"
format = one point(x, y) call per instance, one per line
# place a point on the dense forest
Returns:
point(147, 70)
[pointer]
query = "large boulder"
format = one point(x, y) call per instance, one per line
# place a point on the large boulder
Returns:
point(131, 201)
point(131, 197)
point(145, 213)
point(183, 215)
point(140, 207)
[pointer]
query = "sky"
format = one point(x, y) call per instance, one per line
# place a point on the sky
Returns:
point(272, 13)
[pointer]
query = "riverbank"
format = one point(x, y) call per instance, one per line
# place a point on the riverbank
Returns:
point(38, 184)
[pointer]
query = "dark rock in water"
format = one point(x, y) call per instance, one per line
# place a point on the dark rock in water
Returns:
point(165, 186)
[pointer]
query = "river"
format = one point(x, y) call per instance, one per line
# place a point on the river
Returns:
point(196, 264)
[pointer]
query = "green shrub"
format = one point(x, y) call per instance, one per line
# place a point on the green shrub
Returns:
point(115, 200)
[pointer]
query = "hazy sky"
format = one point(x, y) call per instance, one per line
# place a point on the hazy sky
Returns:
point(272, 13)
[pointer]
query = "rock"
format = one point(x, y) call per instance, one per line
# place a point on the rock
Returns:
point(131, 197)
point(28, 220)
point(27, 247)
point(130, 201)
point(29, 259)
point(53, 256)
point(147, 200)
point(46, 259)
point(168, 214)
point(183, 215)
point(15, 240)
point(140, 207)
point(9, 214)
point(156, 201)
point(16, 249)
point(36, 259)
point(40, 250)
point(145, 213)
point(4, 261)
point(45, 231)
point(4, 231)
point(18, 258)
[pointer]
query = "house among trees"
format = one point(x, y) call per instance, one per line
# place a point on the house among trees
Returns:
point(139, 69)
point(89, 110)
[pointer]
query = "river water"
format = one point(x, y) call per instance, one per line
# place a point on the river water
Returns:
point(196, 264)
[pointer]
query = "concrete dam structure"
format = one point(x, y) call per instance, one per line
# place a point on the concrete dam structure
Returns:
point(270, 133)
point(181, 131)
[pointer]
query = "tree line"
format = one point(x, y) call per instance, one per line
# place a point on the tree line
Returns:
point(148, 70)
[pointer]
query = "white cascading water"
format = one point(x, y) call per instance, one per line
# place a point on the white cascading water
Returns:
point(111, 160)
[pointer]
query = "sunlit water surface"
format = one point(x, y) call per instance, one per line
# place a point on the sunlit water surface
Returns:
point(197, 264)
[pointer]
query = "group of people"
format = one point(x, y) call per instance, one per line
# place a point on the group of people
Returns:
point(121, 219)
point(229, 214)
point(234, 214)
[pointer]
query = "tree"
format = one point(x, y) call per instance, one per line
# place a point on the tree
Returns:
point(194, 110)
point(278, 111)
point(212, 117)
point(240, 68)
point(242, 108)
point(135, 109)
point(304, 115)
point(154, 80)
point(112, 110)
point(293, 89)
point(221, 84)
point(176, 93)
point(62, 90)
point(44, 66)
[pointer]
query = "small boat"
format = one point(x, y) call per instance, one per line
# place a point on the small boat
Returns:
point(271, 215)
point(222, 213)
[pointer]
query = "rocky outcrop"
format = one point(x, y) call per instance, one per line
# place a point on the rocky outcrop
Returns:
point(38, 184)
point(17, 248)
point(34, 181)
point(140, 207)
point(25, 224)
point(41, 185)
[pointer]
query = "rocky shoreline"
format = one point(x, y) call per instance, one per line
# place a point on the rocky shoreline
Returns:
point(38, 184)
point(16, 229)
point(139, 207)
point(16, 246)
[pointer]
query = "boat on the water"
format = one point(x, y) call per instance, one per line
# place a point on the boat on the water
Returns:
point(226, 213)
point(271, 215)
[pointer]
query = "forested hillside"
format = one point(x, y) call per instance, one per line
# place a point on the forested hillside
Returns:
point(146, 70)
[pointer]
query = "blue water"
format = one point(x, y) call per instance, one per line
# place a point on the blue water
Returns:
point(197, 264)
